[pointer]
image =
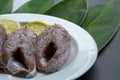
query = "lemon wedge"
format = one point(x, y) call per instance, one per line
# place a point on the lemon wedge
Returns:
point(37, 26)
point(10, 25)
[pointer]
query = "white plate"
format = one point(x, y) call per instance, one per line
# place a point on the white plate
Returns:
point(83, 53)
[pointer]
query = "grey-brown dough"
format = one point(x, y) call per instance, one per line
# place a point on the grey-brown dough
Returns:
point(18, 53)
point(3, 36)
point(53, 48)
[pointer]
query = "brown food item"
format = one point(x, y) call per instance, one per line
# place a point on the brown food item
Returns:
point(3, 36)
point(53, 48)
point(18, 53)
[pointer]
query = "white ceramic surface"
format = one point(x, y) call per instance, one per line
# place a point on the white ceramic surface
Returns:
point(83, 52)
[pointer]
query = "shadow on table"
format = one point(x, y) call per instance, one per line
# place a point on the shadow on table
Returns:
point(90, 74)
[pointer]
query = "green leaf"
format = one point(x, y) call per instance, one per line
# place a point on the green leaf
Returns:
point(102, 22)
point(6, 6)
point(36, 6)
point(93, 12)
point(72, 10)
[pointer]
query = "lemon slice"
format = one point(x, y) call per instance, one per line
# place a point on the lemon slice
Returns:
point(10, 25)
point(37, 26)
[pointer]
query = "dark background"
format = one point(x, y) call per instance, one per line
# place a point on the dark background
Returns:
point(107, 66)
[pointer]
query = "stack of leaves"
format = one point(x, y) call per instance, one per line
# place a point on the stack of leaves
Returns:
point(101, 21)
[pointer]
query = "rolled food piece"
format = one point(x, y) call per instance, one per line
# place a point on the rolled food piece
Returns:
point(3, 36)
point(18, 53)
point(53, 48)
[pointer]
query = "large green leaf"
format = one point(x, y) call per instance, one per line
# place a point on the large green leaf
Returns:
point(36, 6)
point(72, 10)
point(93, 12)
point(6, 6)
point(102, 22)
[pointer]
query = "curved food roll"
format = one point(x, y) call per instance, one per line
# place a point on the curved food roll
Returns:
point(3, 36)
point(53, 48)
point(18, 53)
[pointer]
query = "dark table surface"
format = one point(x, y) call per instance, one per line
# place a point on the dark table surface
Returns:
point(107, 66)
